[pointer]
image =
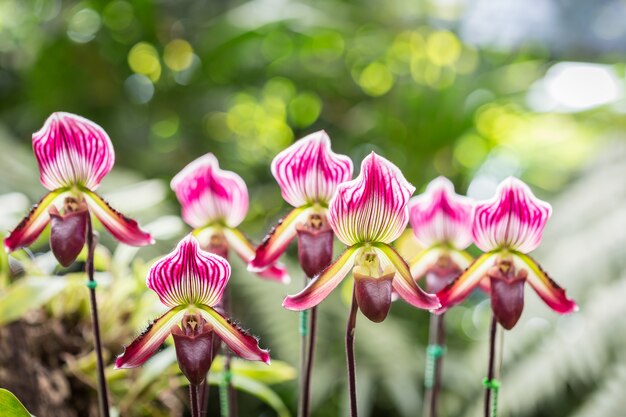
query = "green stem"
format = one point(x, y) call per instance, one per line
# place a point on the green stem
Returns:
point(350, 332)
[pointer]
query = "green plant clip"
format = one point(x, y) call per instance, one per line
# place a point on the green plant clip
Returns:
point(494, 386)
point(91, 285)
point(224, 405)
point(304, 321)
point(433, 352)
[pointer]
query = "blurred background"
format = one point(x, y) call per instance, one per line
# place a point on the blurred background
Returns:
point(475, 90)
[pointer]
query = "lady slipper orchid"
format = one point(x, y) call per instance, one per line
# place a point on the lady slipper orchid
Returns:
point(74, 154)
point(442, 223)
point(308, 173)
point(190, 282)
point(506, 228)
point(367, 214)
point(214, 202)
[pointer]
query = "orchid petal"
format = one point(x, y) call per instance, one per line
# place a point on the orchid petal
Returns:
point(372, 207)
point(323, 284)
point(189, 275)
point(72, 150)
point(440, 216)
point(549, 291)
point(239, 341)
point(121, 227)
point(33, 224)
point(458, 290)
point(403, 282)
point(150, 339)
point(423, 261)
point(461, 258)
point(209, 194)
point(277, 240)
point(514, 218)
point(309, 171)
point(244, 248)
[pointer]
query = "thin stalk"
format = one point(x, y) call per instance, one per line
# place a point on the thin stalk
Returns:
point(307, 354)
point(436, 344)
point(194, 400)
point(491, 370)
point(350, 333)
point(95, 322)
point(231, 396)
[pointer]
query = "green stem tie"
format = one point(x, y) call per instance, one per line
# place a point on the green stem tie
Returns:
point(304, 322)
point(224, 406)
point(91, 285)
point(494, 386)
point(433, 352)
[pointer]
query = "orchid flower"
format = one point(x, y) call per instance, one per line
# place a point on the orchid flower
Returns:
point(367, 214)
point(190, 282)
point(74, 154)
point(214, 202)
point(308, 173)
point(507, 228)
point(441, 223)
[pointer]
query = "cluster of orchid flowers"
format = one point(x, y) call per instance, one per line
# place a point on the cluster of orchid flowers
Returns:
point(367, 214)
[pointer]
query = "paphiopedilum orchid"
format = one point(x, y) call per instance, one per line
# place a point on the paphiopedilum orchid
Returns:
point(214, 202)
point(190, 282)
point(442, 223)
point(308, 173)
point(367, 214)
point(508, 227)
point(74, 154)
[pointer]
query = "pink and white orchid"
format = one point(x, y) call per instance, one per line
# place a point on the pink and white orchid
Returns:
point(214, 202)
point(308, 173)
point(442, 223)
point(74, 155)
point(190, 282)
point(507, 227)
point(367, 214)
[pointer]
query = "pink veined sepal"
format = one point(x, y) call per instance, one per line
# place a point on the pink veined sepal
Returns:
point(373, 206)
point(189, 276)
point(72, 150)
point(209, 194)
point(309, 171)
point(514, 218)
point(440, 216)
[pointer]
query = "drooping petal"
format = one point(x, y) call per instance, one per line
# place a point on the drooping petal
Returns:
point(72, 150)
point(423, 261)
point(121, 227)
point(514, 218)
point(277, 240)
point(440, 216)
point(33, 224)
point(403, 282)
point(309, 171)
point(238, 340)
point(244, 248)
point(149, 340)
point(549, 291)
point(209, 194)
point(322, 285)
point(466, 282)
point(373, 206)
point(189, 275)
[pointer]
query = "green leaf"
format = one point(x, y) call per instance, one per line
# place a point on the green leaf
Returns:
point(10, 406)
point(27, 294)
point(255, 388)
point(276, 373)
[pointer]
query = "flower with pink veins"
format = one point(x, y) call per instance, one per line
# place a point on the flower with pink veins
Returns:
point(308, 173)
point(214, 202)
point(506, 228)
point(74, 155)
point(190, 282)
point(367, 214)
point(442, 224)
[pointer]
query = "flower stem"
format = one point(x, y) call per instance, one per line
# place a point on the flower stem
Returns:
point(306, 357)
point(227, 391)
point(350, 331)
point(95, 322)
point(194, 401)
point(491, 367)
point(434, 358)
